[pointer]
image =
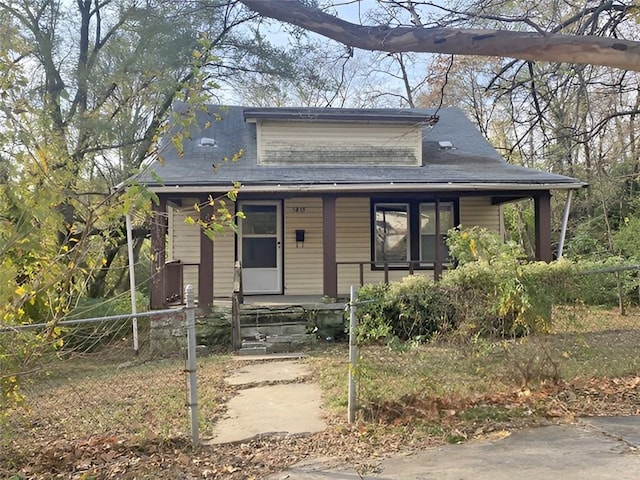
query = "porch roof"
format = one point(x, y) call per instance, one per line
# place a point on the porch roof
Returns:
point(456, 156)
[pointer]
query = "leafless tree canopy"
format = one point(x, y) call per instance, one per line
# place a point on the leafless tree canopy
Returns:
point(535, 45)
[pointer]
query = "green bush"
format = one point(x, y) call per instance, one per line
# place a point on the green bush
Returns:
point(91, 337)
point(414, 308)
point(421, 308)
point(493, 292)
point(504, 294)
point(374, 322)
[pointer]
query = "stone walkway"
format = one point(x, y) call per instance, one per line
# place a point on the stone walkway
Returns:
point(274, 399)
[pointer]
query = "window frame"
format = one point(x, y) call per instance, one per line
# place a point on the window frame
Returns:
point(414, 239)
point(440, 203)
point(374, 252)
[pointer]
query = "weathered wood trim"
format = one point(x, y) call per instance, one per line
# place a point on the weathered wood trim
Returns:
point(158, 254)
point(542, 203)
point(437, 264)
point(329, 265)
point(205, 272)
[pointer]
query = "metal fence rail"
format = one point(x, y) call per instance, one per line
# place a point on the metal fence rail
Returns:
point(90, 381)
point(588, 357)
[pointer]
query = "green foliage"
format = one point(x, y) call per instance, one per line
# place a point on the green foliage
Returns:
point(221, 218)
point(373, 321)
point(68, 136)
point(102, 333)
point(519, 224)
point(493, 292)
point(587, 242)
point(596, 287)
point(503, 294)
point(414, 308)
point(479, 244)
point(627, 238)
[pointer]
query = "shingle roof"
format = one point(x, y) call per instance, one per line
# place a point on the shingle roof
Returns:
point(473, 163)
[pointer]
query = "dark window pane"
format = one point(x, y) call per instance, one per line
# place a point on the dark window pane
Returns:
point(428, 218)
point(392, 233)
point(260, 219)
point(428, 231)
point(259, 252)
point(428, 249)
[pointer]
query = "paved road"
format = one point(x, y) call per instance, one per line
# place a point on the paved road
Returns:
point(604, 448)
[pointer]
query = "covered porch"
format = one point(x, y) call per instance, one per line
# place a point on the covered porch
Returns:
point(324, 242)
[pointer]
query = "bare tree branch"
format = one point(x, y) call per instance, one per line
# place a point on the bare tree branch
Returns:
point(530, 46)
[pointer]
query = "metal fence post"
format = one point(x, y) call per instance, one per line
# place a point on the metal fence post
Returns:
point(191, 364)
point(353, 355)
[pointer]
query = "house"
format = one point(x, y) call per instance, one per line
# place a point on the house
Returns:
point(332, 198)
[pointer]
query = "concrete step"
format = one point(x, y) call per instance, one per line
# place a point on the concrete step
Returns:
point(273, 329)
point(261, 350)
point(276, 344)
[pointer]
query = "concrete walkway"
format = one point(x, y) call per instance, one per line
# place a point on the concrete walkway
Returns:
point(275, 399)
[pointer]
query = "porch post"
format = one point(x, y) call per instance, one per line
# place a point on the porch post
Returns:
point(157, 297)
point(329, 267)
point(437, 265)
point(205, 270)
point(542, 204)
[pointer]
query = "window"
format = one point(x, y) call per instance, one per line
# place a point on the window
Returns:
point(428, 231)
point(406, 231)
point(392, 232)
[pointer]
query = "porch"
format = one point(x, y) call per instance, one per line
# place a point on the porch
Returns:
point(317, 245)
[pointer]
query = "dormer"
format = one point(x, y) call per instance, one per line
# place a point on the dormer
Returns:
point(321, 137)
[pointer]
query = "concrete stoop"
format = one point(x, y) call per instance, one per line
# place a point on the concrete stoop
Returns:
point(276, 344)
point(285, 328)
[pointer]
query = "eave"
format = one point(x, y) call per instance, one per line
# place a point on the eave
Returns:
point(371, 188)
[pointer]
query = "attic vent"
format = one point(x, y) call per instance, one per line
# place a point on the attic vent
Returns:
point(446, 145)
point(207, 142)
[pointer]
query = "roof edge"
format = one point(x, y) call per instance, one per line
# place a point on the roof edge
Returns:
point(373, 188)
point(342, 115)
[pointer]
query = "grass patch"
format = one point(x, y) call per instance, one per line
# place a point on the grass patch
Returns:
point(87, 397)
point(457, 384)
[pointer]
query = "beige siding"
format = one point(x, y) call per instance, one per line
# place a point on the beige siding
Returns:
point(184, 245)
point(223, 260)
point(184, 242)
point(353, 226)
point(479, 211)
point(338, 143)
point(303, 261)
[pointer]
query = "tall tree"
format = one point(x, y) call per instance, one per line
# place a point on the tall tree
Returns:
point(85, 88)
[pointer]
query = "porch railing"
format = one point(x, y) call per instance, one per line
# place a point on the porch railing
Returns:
point(175, 280)
point(386, 267)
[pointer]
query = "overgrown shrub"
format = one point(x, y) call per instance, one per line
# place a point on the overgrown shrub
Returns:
point(374, 321)
point(422, 308)
point(414, 308)
point(493, 291)
point(503, 294)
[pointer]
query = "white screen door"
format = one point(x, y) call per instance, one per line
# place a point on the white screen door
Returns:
point(260, 247)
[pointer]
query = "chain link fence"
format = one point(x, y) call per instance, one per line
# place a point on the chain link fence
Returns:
point(89, 385)
point(585, 361)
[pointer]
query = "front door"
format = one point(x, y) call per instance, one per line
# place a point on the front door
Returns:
point(260, 247)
